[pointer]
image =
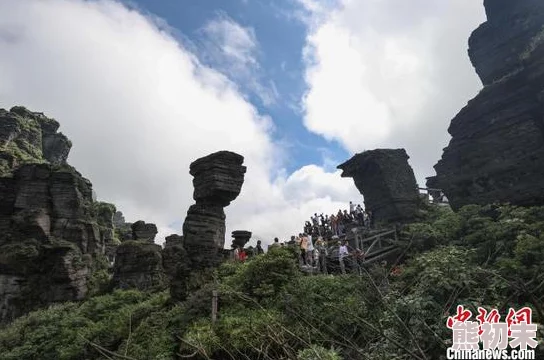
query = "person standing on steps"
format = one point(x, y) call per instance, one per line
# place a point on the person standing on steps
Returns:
point(303, 244)
point(321, 249)
point(343, 253)
point(310, 251)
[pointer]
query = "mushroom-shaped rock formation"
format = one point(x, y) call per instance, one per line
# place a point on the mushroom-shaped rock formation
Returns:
point(241, 237)
point(218, 180)
point(496, 153)
point(386, 181)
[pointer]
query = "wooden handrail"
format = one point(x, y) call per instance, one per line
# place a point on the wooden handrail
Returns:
point(378, 235)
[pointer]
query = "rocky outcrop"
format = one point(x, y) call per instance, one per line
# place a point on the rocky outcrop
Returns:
point(30, 137)
point(52, 233)
point(218, 179)
point(386, 181)
point(118, 219)
point(241, 238)
point(176, 266)
point(105, 218)
point(498, 48)
point(123, 229)
point(138, 264)
point(51, 239)
point(496, 153)
point(138, 260)
point(173, 240)
point(144, 232)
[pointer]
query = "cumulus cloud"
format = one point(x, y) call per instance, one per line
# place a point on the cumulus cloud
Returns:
point(139, 107)
point(387, 73)
point(231, 42)
point(234, 50)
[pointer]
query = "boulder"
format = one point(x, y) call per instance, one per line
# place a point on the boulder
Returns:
point(386, 181)
point(144, 232)
point(173, 240)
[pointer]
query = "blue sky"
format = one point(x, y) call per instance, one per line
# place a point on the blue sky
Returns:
point(280, 36)
point(143, 88)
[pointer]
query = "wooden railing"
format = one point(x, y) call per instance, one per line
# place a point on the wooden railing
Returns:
point(377, 246)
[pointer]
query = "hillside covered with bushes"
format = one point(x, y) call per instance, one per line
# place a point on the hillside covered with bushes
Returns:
point(490, 256)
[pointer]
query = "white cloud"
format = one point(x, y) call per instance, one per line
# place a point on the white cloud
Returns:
point(139, 108)
point(387, 73)
point(234, 43)
point(234, 50)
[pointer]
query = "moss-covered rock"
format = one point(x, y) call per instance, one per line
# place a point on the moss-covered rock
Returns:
point(104, 213)
point(138, 264)
point(53, 234)
point(29, 137)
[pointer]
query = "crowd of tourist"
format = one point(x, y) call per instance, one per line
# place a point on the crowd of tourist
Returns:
point(313, 246)
point(336, 224)
point(321, 254)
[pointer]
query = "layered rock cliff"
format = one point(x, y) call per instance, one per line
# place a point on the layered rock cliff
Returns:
point(58, 244)
point(387, 183)
point(52, 233)
point(496, 153)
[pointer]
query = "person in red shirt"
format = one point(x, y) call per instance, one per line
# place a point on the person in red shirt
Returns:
point(242, 255)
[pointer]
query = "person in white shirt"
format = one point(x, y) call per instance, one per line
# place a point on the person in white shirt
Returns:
point(351, 207)
point(342, 254)
point(310, 251)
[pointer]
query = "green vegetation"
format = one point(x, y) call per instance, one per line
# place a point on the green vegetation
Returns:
point(25, 148)
point(133, 323)
point(490, 256)
point(103, 212)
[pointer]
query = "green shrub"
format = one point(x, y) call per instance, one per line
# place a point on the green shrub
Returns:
point(490, 256)
point(262, 277)
point(316, 352)
point(74, 331)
